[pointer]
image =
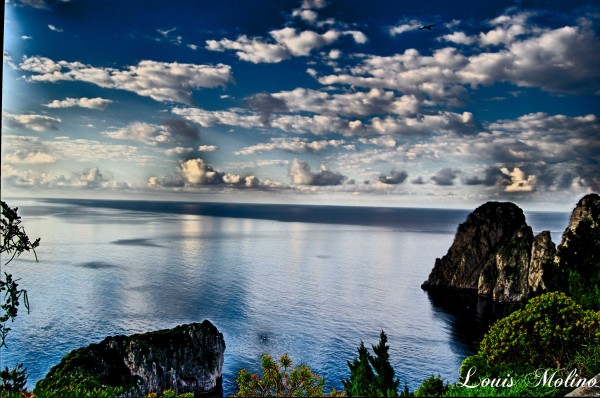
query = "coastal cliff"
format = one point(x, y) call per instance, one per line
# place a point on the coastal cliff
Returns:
point(187, 358)
point(496, 255)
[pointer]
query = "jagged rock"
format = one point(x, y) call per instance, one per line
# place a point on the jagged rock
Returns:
point(187, 358)
point(490, 254)
point(543, 252)
point(495, 254)
point(588, 209)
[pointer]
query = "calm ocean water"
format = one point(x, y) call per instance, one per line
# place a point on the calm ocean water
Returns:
point(312, 281)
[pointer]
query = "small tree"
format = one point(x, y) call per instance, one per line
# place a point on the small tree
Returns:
point(372, 375)
point(281, 380)
point(14, 242)
point(362, 378)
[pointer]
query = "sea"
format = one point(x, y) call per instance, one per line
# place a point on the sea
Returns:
point(309, 281)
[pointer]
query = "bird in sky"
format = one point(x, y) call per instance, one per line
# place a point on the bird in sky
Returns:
point(428, 27)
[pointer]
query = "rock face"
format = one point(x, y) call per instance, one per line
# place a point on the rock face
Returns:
point(495, 254)
point(187, 358)
point(587, 210)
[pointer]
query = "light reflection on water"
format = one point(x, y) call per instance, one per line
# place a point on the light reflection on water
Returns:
point(311, 290)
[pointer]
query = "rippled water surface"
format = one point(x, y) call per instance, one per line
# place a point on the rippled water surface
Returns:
point(313, 290)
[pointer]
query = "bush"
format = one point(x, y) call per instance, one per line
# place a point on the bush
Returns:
point(432, 387)
point(547, 333)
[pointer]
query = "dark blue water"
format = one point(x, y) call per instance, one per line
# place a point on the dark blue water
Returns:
point(312, 281)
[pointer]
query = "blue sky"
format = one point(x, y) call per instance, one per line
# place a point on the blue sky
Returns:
point(309, 101)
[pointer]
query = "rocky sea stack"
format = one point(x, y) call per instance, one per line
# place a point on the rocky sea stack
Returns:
point(495, 253)
point(187, 358)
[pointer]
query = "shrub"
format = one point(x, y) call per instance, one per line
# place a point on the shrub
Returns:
point(281, 380)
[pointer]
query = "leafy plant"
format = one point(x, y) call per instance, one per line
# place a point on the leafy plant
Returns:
point(14, 242)
point(281, 380)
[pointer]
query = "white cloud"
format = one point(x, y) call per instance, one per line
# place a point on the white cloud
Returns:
point(286, 43)
point(459, 38)
point(33, 122)
point(508, 28)
point(528, 60)
point(207, 148)
point(207, 118)
point(294, 145)
point(374, 101)
point(90, 103)
point(404, 27)
point(24, 37)
point(192, 46)
point(196, 173)
point(158, 80)
point(54, 28)
point(150, 134)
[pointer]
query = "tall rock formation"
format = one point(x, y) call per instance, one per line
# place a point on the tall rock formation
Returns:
point(492, 255)
point(187, 358)
point(587, 211)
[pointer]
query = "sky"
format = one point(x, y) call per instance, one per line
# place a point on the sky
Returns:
point(376, 103)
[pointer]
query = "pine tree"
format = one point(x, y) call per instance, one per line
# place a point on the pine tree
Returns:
point(385, 383)
point(361, 381)
point(372, 375)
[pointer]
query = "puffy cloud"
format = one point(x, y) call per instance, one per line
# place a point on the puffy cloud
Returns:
point(33, 122)
point(395, 177)
point(90, 103)
point(443, 122)
point(525, 58)
point(295, 145)
point(459, 38)
point(508, 28)
point(301, 174)
point(519, 181)
point(142, 132)
point(285, 43)
point(196, 173)
point(160, 81)
point(445, 176)
point(206, 118)
point(374, 101)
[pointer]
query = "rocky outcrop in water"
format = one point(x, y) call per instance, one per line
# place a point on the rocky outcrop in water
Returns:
point(495, 254)
point(187, 358)
point(490, 255)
